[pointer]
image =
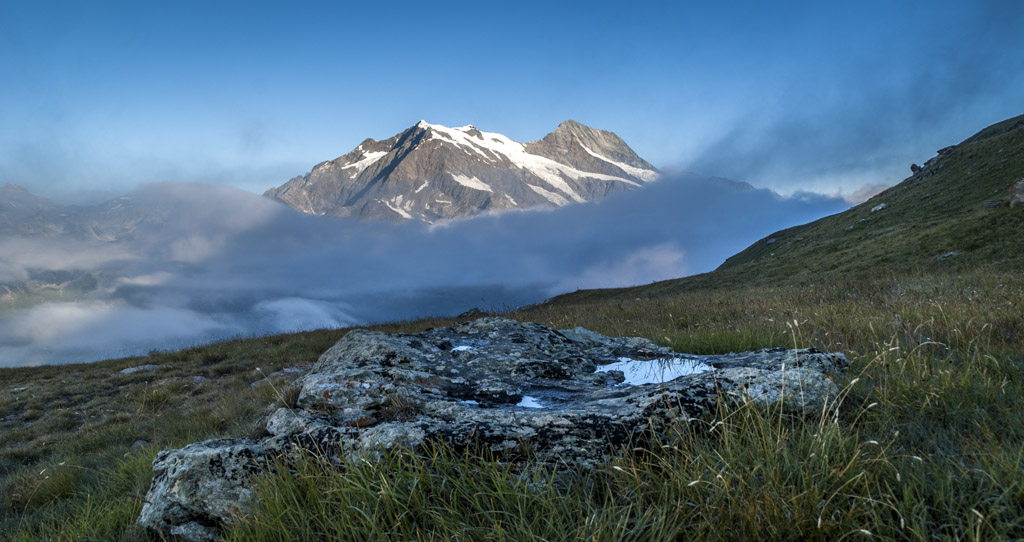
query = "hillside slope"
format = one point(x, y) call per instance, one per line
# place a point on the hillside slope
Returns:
point(951, 215)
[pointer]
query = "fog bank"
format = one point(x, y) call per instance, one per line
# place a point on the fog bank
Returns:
point(212, 263)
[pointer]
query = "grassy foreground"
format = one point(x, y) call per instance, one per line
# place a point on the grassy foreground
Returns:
point(926, 443)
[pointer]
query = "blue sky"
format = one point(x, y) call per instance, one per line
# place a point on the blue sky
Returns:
point(824, 96)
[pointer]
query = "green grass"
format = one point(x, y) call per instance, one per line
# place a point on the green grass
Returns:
point(927, 444)
point(68, 437)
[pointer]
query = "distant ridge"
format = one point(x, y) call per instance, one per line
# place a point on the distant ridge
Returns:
point(434, 173)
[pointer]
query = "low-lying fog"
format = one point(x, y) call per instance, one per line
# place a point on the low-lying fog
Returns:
point(216, 263)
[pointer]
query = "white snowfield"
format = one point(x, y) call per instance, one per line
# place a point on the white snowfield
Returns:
point(396, 208)
point(640, 173)
point(368, 159)
point(472, 182)
point(551, 196)
point(494, 147)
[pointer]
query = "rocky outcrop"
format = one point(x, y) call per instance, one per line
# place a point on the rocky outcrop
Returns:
point(513, 391)
point(432, 173)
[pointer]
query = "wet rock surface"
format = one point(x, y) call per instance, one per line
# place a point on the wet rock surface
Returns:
point(508, 389)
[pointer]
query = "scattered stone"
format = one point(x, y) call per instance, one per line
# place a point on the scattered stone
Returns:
point(294, 371)
point(946, 150)
point(141, 369)
point(771, 240)
point(993, 203)
point(878, 207)
point(16, 390)
point(1017, 193)
point(520, 391)
point(947, 256)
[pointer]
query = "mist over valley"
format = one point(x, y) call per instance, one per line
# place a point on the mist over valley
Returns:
point(176, 264)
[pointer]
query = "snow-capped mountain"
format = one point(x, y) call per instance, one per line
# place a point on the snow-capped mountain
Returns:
point(433, 173)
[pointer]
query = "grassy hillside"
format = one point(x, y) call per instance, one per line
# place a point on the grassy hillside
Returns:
point(956, 207)
point(927, 442)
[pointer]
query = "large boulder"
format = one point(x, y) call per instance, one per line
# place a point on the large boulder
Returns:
point(510, 390)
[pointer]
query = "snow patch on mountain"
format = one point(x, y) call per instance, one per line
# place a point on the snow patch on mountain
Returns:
point(472, 182)
point(405, 214)
point(368, 159)
point(640, 173)
point(545, 168)
point(551, 196)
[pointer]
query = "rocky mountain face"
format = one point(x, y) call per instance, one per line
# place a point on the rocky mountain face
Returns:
point(23, 214)
point(434, 173)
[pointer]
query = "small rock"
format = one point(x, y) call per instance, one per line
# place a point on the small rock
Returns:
point(140, 369)
point(294, 371)
point(138, 444)
point(946, 256)
point(878, 207)
point(915, 169)
point(993, 203)
point(946, 150)
point(1017, 193)
point(16, 390)
point(771, 240)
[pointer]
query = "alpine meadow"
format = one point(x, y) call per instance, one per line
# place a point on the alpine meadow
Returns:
point(920, 287)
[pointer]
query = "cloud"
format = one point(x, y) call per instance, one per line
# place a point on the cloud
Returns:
point(865, 193)
point(210, 262)
point(19, 253)
point(86, 330)
point(297, 314)
point(641, 266)
point(889, 103)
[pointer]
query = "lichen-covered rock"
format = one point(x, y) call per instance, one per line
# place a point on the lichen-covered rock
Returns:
point(509, 389)
point(199, 487)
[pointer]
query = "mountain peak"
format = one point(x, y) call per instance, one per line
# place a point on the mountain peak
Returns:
point(432, 172)
point(570, 125)
point(11, 187)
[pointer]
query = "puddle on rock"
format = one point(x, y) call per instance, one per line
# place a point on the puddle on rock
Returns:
point(655, 371)
point(530, 402)
point(636, 372)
